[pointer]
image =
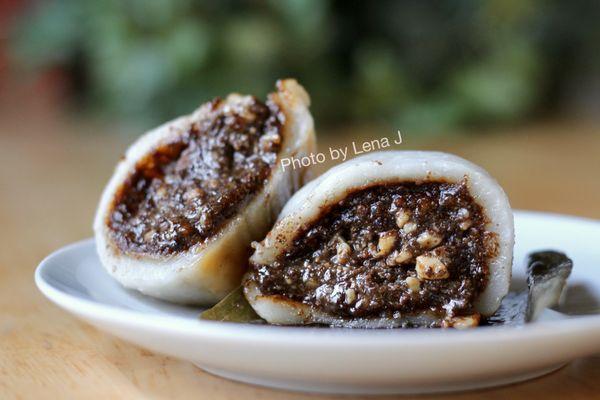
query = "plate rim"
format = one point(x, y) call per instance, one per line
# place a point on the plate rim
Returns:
point(316, 337)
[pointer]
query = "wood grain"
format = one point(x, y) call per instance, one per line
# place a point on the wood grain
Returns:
point(51, 176)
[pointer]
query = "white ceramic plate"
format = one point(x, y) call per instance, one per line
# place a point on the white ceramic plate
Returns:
point(351, 361)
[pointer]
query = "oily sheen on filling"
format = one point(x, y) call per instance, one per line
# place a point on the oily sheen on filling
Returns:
point(186, 190)
point(397, 248)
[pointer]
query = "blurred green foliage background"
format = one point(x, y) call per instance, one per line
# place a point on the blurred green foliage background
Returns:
point(430, 66)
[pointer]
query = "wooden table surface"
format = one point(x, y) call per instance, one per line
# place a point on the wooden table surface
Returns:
point(51, 176)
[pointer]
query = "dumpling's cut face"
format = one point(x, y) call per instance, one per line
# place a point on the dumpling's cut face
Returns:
point(185, 190)
point(389, 250)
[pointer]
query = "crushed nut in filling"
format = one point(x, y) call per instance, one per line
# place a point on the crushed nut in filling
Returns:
point(404, 247)
point(184, 191)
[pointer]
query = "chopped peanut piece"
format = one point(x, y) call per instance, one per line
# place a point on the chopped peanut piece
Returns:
point(402, 218)
point(403, 257)
point(464, 322)
point(398, 258)
point(350, 295)
point(414, 285)
point(431, 267)
point(409, 227)
point(429, 240)
point(386, 243)
point(343, 250)
point(465, 225)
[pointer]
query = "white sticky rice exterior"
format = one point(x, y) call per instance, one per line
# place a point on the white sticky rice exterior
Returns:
point(305, 207)
point(206, 272)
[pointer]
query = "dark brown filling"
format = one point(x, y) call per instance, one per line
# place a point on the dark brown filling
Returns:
point(184, 191)
point(402, 248)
